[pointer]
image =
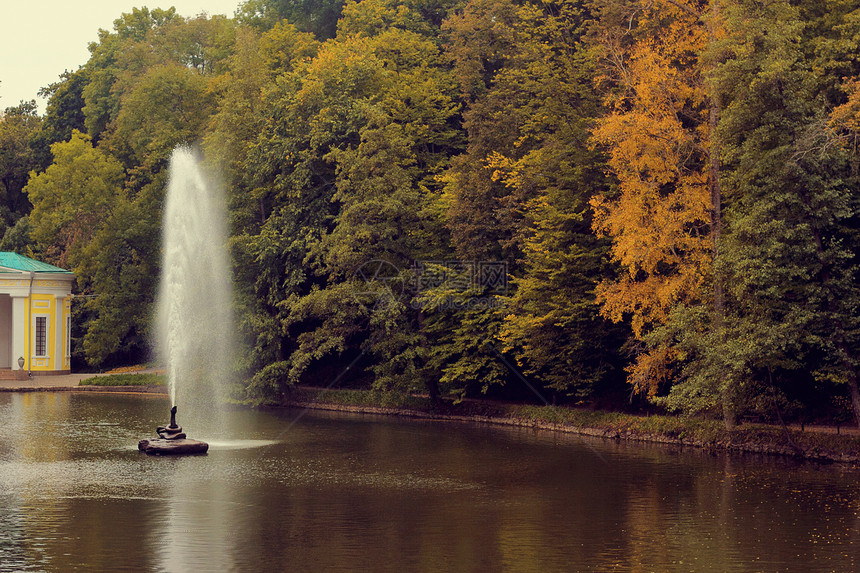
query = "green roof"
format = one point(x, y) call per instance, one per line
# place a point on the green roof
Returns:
point(17, 262)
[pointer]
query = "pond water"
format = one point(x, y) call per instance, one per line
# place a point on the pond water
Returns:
point(315, 491)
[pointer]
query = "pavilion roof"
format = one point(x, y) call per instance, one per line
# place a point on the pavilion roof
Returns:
point(11, 262)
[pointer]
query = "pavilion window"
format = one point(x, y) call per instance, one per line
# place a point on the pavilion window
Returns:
point(41, 342)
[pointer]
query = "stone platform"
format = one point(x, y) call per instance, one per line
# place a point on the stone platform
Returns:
point(162, 447)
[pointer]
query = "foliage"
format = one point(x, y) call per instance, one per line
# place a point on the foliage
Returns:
point(72, 197)
point(558, 192)
point(318, 17)
point(551, 322)
point(789, 256)
point(657, 133)
point(17, 239)
point(120, 271)
point(64, 113)
point(19, 126)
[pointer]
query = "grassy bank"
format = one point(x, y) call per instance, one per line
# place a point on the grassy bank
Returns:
point(694, 432)
point(126, 380)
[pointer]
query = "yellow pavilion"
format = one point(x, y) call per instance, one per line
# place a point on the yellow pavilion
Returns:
point(35, 317)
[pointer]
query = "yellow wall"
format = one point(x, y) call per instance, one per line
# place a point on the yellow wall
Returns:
point(67, 352)
point(46, 305)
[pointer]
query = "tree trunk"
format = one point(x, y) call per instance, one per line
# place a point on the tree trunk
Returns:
point(729, 417)
point(855, 396)
point(716, 213)
point(433, 390)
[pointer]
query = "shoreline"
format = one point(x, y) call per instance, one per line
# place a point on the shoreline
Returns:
point(101, 389)
point(815, 446)
point(707, 435)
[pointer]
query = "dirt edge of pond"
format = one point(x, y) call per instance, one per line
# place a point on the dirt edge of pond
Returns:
point(152, 389)
point(708, 435)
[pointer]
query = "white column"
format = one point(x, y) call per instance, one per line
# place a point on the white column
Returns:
point(20, 317)
point(59, 333)
point(6, 332)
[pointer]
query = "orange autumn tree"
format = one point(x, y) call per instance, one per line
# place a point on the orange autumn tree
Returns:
point(663, 217)
point(844, 120)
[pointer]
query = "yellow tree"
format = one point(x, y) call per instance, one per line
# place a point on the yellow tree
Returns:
point(844, 121)
point(663, 217)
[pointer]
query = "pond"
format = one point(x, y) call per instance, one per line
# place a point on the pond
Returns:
point(312, 491)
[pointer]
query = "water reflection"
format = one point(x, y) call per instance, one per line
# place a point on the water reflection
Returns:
point(344, 493)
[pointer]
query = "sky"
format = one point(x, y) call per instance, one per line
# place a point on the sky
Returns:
point(40, 39)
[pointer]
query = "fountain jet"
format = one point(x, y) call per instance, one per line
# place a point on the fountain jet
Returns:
point(195, 326)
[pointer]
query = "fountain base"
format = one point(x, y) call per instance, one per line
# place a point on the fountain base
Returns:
point(162, 447)
point(172, 441)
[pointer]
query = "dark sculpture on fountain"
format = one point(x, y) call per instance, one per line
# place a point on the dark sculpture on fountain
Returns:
point(173, 431)
point(171, 440)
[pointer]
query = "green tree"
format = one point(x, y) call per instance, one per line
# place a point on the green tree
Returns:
point(318, 17)
point(787, 252)
point(19, 126)
point(72, 197)
point(552, 325)
point(102, 93)
point(520, 195)
point(230, 135)
point(480, 212)
point(17, 239)
point(309, 111)
point(119, 268)
point(168, 106)
point(344, 173)
point(203, 43)
point(64, 114)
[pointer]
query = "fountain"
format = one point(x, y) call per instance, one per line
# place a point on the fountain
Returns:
point(195, 320)
point(172, 440)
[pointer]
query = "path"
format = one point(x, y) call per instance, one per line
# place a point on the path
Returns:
point(62, 382)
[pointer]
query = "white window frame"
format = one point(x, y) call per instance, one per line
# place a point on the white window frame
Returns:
point(47, 353)
point(68, 336)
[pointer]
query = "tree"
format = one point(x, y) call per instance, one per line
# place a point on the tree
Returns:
point(519, 196)
point(19, 126)
point(480, 215)
point(229, 138)
point(119, 269)
point(203, 43)
point(666, 218)
point(72, 197)
point(17, 238)
point(168, 106)
point(83, 220)
point(791, 298)
point(318, 17)
point(64, 114)
point(479, 211)
point(344, 173)
point(552, 325)
point(309, 111)
point(657, 138)
point(101, 93)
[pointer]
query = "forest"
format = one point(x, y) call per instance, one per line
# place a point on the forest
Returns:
point(640, 204)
